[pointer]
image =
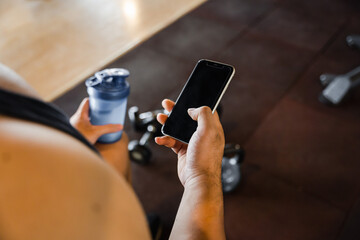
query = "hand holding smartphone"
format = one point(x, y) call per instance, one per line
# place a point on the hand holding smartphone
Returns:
point(205, 87)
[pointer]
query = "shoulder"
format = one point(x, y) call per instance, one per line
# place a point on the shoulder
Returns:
point(53, 186)
point(11, 81)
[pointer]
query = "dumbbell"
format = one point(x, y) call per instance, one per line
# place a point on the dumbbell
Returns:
point(143, 122)
point(138, 150)
point(338, 87)
point(230, 167)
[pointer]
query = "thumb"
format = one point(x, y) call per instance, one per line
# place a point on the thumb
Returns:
point(193, 113)
point(108, 128)
point(202, 114)
point(83, 110)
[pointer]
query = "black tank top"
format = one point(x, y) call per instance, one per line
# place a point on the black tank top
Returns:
point(31, 109)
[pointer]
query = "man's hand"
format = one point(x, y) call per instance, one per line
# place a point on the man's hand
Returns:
point(201, 159)
point(201, 212)
point(81, 121)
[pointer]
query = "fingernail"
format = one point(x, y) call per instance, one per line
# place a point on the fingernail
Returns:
point(191, 109)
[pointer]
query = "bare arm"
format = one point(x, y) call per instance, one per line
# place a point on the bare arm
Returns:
point(200, 214)
point(116, 154)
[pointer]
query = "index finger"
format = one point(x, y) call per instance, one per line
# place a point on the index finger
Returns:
point(168, 105)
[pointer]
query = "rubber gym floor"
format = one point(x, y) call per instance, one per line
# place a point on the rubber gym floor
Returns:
point(301, 174)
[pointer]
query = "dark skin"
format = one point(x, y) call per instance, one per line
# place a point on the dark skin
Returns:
point(200, 215)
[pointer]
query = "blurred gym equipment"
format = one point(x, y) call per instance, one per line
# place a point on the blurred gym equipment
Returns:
point(338, 87)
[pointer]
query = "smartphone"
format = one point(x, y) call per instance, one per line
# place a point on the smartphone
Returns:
point(205, 87)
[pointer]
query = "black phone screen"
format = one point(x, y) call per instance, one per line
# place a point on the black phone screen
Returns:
point(204, 88)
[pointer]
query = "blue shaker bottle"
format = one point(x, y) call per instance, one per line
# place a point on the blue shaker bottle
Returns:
point(108, 91)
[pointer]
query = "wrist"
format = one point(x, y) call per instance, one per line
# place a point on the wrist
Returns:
point(203, 198)
point(206, 183)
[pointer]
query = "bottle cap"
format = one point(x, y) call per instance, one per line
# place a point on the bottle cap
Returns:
point(109, 84)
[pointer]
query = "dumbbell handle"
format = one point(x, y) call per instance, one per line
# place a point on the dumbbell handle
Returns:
point(148, 135)
point(151, 114)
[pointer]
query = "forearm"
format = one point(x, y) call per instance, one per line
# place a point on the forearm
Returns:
point(201, 213)
point(117, 155)
point(117, 159)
